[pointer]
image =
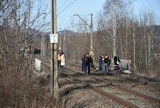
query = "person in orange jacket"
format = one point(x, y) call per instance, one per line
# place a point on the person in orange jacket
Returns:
point(59, 60)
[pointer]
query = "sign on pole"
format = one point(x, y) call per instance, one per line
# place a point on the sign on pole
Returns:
point(53, 38)
point(38, 64)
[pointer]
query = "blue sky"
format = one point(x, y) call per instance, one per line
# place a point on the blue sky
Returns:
point(152, 5)
point(81, 7)
point(66, 9)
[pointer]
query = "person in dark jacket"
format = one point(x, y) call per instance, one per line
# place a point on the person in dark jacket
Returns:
point(100, 61)
point(106, 63)
point(88, 63)
point(83, 62)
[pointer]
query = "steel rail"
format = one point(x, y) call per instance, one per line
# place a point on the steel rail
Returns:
point(106, 94)
point(150, 98)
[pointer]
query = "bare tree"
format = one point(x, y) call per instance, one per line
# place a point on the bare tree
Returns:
point(113, 13)
point(136, 43)
point(17, 27)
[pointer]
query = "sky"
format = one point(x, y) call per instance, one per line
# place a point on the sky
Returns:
point(67, 8)
point(148, 5)
point(81, 7)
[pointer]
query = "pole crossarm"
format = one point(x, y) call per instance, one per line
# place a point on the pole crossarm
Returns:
point(82, 20)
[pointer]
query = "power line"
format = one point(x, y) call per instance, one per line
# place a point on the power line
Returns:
point(62, 4)
point(67, 6)
point(62, 10)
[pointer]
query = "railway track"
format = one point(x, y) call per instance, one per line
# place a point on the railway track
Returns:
point(121, 95)
point(130, 82)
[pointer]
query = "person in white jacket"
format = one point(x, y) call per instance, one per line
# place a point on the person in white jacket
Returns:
point(62, 60)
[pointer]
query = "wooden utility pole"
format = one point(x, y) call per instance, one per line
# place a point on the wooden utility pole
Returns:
point(54, 70)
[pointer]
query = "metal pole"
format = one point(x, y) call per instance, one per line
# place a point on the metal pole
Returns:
point(114, 29)
point(64, 39)
point(91, 28)
point(54, 70)
point(126, 49)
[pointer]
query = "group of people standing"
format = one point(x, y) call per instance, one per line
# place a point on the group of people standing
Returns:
point(61, 60)
point(104, 63)
point(87, 62)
